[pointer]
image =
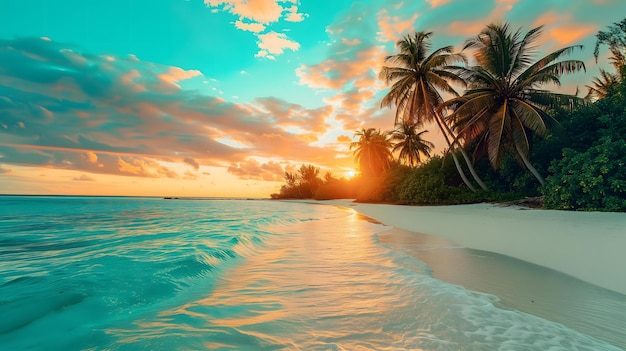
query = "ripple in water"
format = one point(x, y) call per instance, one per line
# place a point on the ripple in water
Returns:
point(128, 274)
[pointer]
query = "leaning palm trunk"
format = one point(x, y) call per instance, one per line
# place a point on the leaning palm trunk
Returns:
point(470, 166)
point(528, 165)
point(456, 161)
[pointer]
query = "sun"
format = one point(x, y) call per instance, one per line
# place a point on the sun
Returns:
point(351, 173)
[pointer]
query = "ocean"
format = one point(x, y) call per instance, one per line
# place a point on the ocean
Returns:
point(114, 273)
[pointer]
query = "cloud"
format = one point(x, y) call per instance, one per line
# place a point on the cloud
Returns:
point(293, 15)
point(275, 43)
point(176, 74)
point(193, 163)
point(90, 156)
point(262, 11)
point(250, 27)
point(5, 170)
point(344, 139)
point(562, 28)
point(473, 27)
point(256, 15)
point(252, 169)
point(144, 168)
point(190, 175)
point(393, 27)
point(88, 115)
point(84, 178)
point(437, 3)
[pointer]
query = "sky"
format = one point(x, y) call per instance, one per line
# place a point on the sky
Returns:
point(218, 98)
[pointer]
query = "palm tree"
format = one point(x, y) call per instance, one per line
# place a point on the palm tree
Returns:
point(603, 85)
point(615, 38)
point(372, 151)
point(410, 143)
point(504, 100)
point(608, 83)
point(416, 78)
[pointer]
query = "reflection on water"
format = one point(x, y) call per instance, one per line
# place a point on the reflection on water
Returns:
point(520, 285)
point(320, 288)
point(129, 274)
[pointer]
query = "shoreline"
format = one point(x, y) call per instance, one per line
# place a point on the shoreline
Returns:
point(585, 245)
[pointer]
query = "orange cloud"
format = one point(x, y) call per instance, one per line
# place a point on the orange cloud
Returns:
point(437, 3)
point(470, 28)
point(560, 27)
point(253, 169)
point(344, 139)
point(334, 74)
point(84, 178)
point(251, 27)
point(5, 170)
point(275, 43)
point(193, 163)
point(263, 11)
point(177, 74)
point(145, 168)
point(570, 34)
point(293, 15)
point(392, 28)
point(90, 156)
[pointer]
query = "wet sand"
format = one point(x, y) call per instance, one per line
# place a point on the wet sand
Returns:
point(519, 285)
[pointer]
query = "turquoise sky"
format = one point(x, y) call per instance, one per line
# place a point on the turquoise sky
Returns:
point(96, 96)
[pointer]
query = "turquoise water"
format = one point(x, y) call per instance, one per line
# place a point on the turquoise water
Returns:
point(152, 274)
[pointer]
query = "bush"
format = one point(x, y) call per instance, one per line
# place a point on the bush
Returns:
point(592, 180)
point(427, 185)
point(335, 190)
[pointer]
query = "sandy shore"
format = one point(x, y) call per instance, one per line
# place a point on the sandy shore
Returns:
point(590, 246)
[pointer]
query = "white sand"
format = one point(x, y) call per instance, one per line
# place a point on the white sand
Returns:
point(590, 246)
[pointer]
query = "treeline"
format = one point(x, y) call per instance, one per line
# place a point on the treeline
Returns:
point(307, 184)
point(584, 160)
point(507, 136)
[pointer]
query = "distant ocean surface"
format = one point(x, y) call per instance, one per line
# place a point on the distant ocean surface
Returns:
point(97, 273)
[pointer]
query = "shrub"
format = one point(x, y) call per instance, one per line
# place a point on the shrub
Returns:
point(427, 185)
point(335, 190)
point(592, 180)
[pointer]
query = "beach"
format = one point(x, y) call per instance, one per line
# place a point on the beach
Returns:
point(586, 245)
point(80, 273)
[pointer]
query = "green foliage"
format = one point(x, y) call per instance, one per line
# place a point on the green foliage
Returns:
point(372, 151)
point(371, 189)
point(300, 185)
point(615, 38)
point(306, 184)
point(384, 188)
point(592, 180)
point(426, 186)
point(333, 188)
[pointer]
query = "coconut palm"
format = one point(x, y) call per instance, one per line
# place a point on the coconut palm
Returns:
point(410, 143)
point(372, 151)
point(416, 78)
point(504, 100)
point(607, 83)
point(603, 85)
point(615, 38)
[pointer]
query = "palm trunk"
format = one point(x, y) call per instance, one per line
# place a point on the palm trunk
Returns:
point(456, 161)
point(530, 167)
point(472, 170)
point(462, 173)
point(470, 166)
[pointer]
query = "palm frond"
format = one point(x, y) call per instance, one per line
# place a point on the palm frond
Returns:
point(496, 131)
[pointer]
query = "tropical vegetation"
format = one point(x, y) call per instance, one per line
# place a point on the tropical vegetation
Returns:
point(525, 140)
